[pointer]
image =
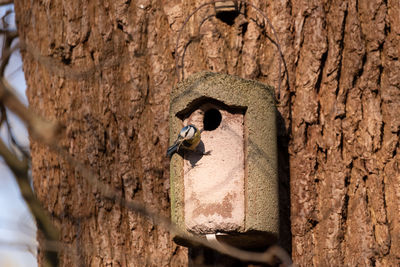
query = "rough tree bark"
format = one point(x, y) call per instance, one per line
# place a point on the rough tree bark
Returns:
point(105, 71)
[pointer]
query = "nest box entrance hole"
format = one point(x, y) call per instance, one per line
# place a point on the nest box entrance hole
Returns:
point(212, 119)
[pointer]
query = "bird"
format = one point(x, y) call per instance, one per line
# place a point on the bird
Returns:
point(188, 138)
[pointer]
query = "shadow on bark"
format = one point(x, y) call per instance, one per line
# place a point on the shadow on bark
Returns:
point(285, 239)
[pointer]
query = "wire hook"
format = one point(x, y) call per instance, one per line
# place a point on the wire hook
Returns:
point(276, 42)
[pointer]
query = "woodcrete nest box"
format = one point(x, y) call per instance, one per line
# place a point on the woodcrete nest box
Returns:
point(233, 191)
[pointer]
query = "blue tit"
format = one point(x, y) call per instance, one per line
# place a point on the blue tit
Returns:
point(188, 138)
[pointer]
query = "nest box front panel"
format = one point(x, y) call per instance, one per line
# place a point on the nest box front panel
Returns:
point(214, 183)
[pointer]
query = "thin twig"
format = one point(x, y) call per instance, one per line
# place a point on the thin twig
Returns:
point(6, 2)
point(38, 127)
point(41, 133)
point(7, 50)
point(108, 192)
point(18, 245)
point(15, 225)
point(47, 133)
point(20, 169)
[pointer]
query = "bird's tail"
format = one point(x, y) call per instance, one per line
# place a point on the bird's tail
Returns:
point(173, 149)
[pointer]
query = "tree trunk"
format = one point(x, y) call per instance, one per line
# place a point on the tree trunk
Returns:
point(105, 71)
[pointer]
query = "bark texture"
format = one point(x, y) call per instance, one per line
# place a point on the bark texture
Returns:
point(105, 69)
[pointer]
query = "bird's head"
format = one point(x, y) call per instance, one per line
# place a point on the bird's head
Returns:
point(187, 132)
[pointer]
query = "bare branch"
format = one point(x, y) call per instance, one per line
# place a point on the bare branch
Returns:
point(20, 170)
point(47, 132)
point(106, 191)
point(7, 50)
point(39, 128)
point(18, 245)
point(6, 2)
point(13, 34)
point(17, 226)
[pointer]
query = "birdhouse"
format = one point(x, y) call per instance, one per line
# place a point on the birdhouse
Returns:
point(229, 185)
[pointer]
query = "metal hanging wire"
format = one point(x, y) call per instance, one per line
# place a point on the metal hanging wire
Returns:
point(276, 42)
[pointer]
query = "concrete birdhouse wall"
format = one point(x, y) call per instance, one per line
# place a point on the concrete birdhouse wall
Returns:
point(229, 186)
